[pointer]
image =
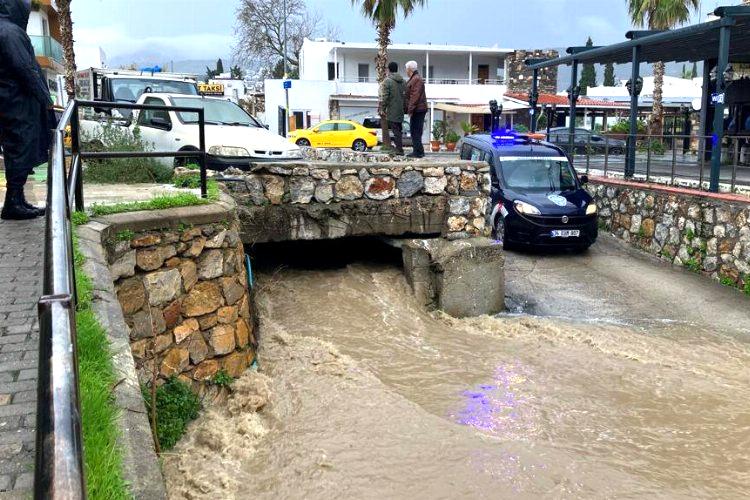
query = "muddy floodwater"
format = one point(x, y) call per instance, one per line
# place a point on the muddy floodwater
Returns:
point(361, 393)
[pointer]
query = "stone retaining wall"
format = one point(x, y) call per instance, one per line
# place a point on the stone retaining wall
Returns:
point(181, 282)
point(331, 199)
point(705, 233)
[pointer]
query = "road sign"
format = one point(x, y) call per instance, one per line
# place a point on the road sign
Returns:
point(287, 84)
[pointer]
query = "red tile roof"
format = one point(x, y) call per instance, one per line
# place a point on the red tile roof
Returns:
point(561, 100)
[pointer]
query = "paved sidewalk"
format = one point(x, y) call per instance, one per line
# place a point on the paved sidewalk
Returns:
point(21, 268)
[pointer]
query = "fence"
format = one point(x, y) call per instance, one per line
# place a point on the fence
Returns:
point(59, 447)
point(668, 159)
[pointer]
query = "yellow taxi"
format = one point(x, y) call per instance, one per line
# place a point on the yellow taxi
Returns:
point(335, 134)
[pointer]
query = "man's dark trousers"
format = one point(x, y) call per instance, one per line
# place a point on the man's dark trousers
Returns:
point(398, 135)
point(416, 123)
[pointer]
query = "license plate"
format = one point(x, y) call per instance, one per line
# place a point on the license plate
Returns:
point(566, 233)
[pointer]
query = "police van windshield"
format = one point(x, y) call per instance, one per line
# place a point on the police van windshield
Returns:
point(538, 174)
point(130, 89)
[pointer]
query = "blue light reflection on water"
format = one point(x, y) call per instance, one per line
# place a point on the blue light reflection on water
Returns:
point(501, 408)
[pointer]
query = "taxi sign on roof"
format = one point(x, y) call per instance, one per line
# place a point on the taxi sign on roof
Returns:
point(211, 88)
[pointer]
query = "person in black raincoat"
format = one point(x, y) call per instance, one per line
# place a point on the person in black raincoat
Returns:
point(24, 104)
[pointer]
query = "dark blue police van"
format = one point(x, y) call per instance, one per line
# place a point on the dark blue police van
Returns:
point(537, 197)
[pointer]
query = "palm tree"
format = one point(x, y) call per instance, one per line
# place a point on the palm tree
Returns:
point(66, 35)
point(660, 15)
point(383, 13)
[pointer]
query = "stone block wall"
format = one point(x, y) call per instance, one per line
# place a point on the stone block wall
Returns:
point(703, 233)
point(184, 296)
point(519, 76)
point(336, 199)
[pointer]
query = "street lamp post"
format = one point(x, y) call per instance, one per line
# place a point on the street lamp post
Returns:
point(289, 121)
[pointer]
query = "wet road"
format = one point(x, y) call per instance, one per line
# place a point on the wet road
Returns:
point(616, 376)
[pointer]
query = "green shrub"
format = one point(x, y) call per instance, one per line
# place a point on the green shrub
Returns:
point(222, 378)
point(746, 288)
point(727, 281)
point(693, 264)
point(111, 138)
point(521, 128)
point(657, 147)
point(192, 181)
point(623, 127)
point(176, 406)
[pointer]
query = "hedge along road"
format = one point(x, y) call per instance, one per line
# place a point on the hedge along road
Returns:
point(619, 377)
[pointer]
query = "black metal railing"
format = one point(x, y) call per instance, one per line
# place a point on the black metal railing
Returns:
point(59, 446)
point(683, 160)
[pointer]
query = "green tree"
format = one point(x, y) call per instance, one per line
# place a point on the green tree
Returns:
point(694, 72)
point(383, 13)
point(219, 67)
point(237, 73)
point(609, 75)
point(588, 74)
point(660, 15)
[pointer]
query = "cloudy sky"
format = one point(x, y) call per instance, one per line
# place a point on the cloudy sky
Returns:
point(204, 29)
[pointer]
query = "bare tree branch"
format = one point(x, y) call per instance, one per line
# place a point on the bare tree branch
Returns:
point(260, 31)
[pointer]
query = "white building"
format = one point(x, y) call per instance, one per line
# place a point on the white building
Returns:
point(233, 88)
point(44, 32)
point(676, 92)
point(338, 80)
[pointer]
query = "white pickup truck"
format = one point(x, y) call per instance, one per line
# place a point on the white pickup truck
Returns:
point(123, 86)
point(233, 137)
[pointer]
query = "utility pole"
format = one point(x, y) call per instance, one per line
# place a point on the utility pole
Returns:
point(286, 74)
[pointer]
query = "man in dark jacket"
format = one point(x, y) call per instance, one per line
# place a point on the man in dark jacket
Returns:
point(392, 105)
point(415, 105)
point(24, 101)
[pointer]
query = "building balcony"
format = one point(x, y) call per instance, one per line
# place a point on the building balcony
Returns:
point(46, 46)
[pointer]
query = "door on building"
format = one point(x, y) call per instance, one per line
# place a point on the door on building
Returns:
point(363, 72)
point(483, 73)
point(478, 121)
point(282, 122)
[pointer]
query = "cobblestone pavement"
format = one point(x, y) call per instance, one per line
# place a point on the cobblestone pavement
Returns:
point(21, 269)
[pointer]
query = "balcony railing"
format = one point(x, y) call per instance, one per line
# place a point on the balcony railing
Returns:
point(431, 80)
point(46, 46)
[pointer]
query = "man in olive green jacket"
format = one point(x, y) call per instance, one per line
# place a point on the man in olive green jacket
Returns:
point(392, 105)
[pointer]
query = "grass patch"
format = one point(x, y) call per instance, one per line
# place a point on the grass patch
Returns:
point(162, 202)
point(79, 218)
point(156, 203)
point(176, 406)
point(746, 288)
point(727, 281)
point(125, 235)
point(101, 456)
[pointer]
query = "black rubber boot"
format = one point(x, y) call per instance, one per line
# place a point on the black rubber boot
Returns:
point(13, 209)
point(39, 211)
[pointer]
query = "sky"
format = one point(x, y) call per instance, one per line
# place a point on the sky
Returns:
point(163, 30)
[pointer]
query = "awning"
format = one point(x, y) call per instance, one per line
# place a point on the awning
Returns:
point(479, 109)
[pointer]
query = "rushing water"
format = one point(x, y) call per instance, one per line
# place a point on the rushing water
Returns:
point(363, 394)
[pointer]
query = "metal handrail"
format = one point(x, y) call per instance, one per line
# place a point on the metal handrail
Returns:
point(609, 157)
point(59, 472)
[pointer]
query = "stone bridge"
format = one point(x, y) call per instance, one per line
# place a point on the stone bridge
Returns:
point(369, 196)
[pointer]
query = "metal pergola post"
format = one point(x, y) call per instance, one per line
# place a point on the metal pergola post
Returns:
point(633, 132)
point(718, 132)
point(572, 99)
point(533, 98)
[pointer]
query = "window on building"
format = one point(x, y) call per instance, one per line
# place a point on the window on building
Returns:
point(363, 72)
point(45, 27)
point(430, 74)
point(332, 70)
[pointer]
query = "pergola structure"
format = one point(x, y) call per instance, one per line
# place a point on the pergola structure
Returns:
point(716, 43)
